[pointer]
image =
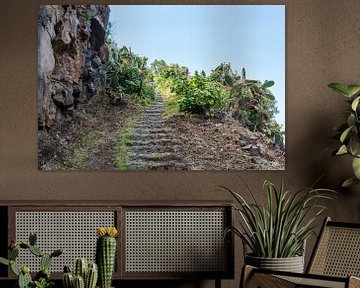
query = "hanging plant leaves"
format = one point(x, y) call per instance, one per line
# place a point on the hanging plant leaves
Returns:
point(340, 88)
point(349, 182)
point(353, 89)
point(355, 103)
point(342, 150)
point(356, 167)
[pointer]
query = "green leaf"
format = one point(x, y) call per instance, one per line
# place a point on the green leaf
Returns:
point(345, 134)
point(356, 167)
point(353, 89)
point(349, 182)
point(342, 150)
point(268, 84)
point(355, 103)
point(354, 145)
point(340, 88)
point(351, 120)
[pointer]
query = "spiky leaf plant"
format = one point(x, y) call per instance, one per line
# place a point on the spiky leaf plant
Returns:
point(279, 229)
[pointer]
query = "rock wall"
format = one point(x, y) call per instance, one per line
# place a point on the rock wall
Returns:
point(71, 47)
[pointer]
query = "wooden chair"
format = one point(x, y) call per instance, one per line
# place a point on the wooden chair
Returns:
point(334, 263)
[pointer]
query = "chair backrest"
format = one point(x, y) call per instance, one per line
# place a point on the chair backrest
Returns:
point(337, 251)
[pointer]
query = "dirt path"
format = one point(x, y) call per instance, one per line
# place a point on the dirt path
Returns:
point(89, 141)
point(154, 145)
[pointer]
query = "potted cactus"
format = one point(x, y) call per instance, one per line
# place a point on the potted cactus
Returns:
point(42, 278)
point(106, 254)
point(84, 275)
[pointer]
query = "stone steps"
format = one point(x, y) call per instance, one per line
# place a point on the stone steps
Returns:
point(160, 141)
point(153, 145)
point(150, 165)
point(155, 156)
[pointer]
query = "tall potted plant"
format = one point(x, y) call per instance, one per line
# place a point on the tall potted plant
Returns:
point(276, 233)
point(349, 131)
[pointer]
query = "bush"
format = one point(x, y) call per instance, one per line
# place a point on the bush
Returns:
point(125, 76)
point(275, 132)
point(253, 104)
point(200, 95)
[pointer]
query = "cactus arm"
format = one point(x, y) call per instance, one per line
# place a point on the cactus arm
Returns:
point(91, 276)
point(24, 245)
point(80, 267)
point(67, 269)
point(14, 268)
point(24, 280)
point(57, 253)
point(32, 239)
point(45, 261)
point(36, 251)
point(13, 253)
point(79, 282)
point(68, 280)
point(4, 261)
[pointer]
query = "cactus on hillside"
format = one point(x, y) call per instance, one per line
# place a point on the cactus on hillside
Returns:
point(106, 254)
point(23, 272)
point(85, 275)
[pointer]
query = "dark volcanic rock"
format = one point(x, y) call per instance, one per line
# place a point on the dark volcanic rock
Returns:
point(71, 49)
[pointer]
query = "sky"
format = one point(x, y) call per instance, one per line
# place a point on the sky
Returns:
point(203, 36)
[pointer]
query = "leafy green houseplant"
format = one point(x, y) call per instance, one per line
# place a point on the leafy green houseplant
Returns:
point(280, 228)
point(349, 131)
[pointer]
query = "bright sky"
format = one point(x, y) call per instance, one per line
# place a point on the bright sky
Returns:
point(203, 36)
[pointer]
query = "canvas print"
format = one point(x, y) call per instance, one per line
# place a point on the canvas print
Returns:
point(161, 87)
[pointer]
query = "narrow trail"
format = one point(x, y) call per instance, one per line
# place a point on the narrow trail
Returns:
point(153, 145)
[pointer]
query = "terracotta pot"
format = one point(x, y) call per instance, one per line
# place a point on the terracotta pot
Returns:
point(291, 264)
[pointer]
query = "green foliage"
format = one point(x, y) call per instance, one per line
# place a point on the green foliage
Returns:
point(122, 149)
point(168, 75)
point(349, 131)
point(275, 133)
point(223, 74)
point(87, 14)
point(125, 76)
point(200, 95)
point(42, 278)
point(43, 283)
point(279, 229)
point(158, 66)
point(253, 104)
point(249, 101)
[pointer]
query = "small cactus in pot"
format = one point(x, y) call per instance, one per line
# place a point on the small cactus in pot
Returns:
point(85, 275)
point(106, 254)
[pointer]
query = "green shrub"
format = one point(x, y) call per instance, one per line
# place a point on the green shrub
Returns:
point(253, 104)
point(275, 132)
point(200, 95)
point(125, 77)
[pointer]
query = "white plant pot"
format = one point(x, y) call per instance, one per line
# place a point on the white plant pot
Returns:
point(291, 264)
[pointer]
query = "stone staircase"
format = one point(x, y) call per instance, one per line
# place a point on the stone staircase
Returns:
point(154, 146)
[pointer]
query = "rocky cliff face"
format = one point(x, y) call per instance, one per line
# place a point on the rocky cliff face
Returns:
point(71, 48)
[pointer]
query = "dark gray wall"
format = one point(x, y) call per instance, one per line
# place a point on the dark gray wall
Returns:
point(323, 46)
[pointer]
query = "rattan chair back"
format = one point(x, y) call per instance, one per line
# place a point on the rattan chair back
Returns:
point(337, 252)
